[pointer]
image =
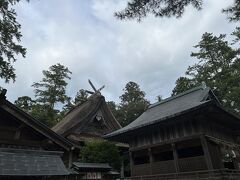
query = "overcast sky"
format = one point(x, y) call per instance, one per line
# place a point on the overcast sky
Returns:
point(85, 36)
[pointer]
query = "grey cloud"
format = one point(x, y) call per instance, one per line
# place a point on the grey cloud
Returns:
point(86, 37)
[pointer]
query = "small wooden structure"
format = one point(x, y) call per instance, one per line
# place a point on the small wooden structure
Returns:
point(28, 148)
point(187, 134)
point(95, 171)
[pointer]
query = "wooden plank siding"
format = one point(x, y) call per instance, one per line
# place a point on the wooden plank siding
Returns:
point(141, 169)
point(182, 129)
point(166, 133)
point(163, 167)
point(183, 134)
point(192, 164)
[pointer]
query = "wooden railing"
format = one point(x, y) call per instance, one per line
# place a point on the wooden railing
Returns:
point(199, 175)
point(192, 164)
point(141, 169)
point(163, 167)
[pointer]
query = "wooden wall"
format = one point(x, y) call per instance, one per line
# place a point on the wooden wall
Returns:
point(181, 128)
point(180, 133)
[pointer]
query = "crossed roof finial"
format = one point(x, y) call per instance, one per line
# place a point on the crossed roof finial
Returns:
point(94, 89)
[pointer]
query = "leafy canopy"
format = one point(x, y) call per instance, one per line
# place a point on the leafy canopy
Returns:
point(49, 91)
point(52, 88)
point(218, 65)
point(132, 105)
point(25, 103)
point(81, 97)
point(138, 9)
point(10, 36)
point(101, 152)
point(233, 11)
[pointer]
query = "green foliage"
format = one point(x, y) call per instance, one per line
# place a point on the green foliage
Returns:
point(113, 108)
point(25, 103)
point(138, 9)
point(183, 84)
point(101, 152)
point(218, 66)
point(41, 112)
point(50, 91)
point(81, 97)
point(116, 111)
point(45, 114)
point(10, 36)
point(52, 88)
point(233, 11)
point(132, 105)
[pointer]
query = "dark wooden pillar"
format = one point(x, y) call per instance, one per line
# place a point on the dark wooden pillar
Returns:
point(131, 162)
point(70, 159)
point(175, 155)
point(206, 152)
point(122, 170)
point(219, 155)
point(150, 159)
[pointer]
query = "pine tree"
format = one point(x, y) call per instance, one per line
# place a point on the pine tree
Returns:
point(52, 90)
point(138, 9)
point(25, 103)
point(218, 66)
point(10, 36)
point(132, 105)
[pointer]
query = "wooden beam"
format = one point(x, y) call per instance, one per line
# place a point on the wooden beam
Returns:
point(150, 159)
point(122, 170)
point(206, 152)
point(175, 156)
point(70, 159)
point(131, 162)
point(8, 128)
point(91, 84)
point(89, 92)
point(19, 131)
point(166, 142)
point(101, 88)
point(24, 143)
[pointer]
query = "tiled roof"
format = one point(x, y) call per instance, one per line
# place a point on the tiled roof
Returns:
point(168, 108)
point(92, 165)
point(18, 162)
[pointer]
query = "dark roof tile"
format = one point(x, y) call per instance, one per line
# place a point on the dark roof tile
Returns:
point(167, 108)
point(92, 165)
point(17, 162)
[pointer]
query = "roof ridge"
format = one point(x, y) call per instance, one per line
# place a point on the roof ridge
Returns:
point(81, 103)
point(30, 151)
point(179, 95)
point(120, 131)
point(85, 117)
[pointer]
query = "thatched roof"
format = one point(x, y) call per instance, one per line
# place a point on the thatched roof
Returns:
point(82, 114)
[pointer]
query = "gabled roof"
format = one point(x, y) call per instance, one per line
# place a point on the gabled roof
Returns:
point(34, 124)
point(19, 162)
point(170, 107)
point(79, 116)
